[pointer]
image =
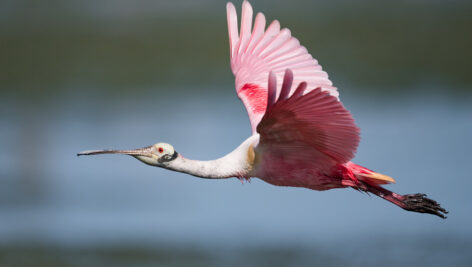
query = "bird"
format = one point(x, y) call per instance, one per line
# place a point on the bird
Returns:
point(302, 135)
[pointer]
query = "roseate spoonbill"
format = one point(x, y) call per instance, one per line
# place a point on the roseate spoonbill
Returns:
point(302, 135)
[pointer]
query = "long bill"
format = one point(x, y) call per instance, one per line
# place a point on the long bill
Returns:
point(145, 151)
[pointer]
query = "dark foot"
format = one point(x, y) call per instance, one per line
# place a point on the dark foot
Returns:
point(420, 203)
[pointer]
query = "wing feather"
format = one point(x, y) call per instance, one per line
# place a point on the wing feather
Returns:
point(256, 51)
point(232, 18)
point(246, 24)
point(314, 124)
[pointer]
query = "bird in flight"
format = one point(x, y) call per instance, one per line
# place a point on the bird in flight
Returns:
point(302, 135)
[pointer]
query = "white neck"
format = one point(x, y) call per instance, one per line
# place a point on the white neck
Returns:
point(238, 163)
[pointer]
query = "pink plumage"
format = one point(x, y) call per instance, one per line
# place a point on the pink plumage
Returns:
point(307, 137)
point(302, 135)
point(254, 53)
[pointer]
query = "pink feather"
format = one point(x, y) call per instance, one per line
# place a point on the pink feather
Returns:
point(257, 51)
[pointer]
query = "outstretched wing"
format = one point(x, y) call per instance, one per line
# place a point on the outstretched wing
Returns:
point(312, 128)
point(255, 51)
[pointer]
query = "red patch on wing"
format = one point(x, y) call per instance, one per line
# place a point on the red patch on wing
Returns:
point(254, 97)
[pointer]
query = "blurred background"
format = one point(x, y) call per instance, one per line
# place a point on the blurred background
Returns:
point(78, 75)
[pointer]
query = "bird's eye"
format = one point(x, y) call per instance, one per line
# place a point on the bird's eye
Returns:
point(160, 150)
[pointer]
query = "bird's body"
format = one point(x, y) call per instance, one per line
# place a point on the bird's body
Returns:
point(302, 136)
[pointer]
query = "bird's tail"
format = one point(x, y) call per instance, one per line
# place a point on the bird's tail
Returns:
point(370, 181)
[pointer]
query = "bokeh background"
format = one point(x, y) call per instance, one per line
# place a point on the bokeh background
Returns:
point(78, 75)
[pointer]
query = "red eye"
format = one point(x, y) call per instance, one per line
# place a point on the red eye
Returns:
point(160, 150)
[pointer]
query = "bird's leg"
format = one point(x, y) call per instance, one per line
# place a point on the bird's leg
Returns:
point(411, 202)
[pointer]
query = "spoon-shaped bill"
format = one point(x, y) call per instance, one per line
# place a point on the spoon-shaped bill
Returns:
point(145, 151)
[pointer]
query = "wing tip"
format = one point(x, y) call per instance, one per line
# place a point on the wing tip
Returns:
point(232, 19)
point(230, 6)
point(246, 4)
point(272, 89)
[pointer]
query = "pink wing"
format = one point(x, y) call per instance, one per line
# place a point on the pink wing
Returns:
point(312, 129)
point(257, 51)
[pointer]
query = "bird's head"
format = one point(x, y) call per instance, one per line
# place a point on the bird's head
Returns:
point(159, 154)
